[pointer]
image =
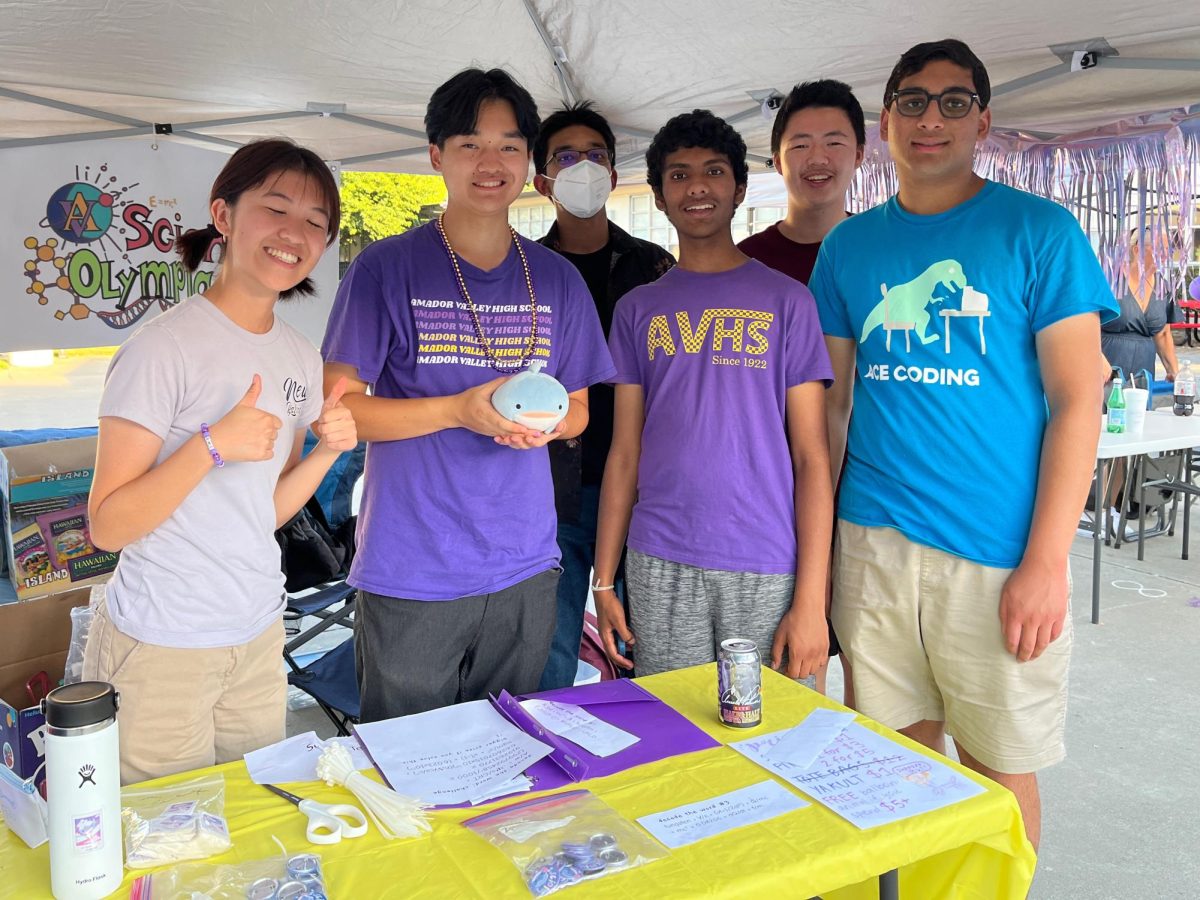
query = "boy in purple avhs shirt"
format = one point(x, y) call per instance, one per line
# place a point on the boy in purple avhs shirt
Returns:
point(457, 563)
point(718, 436)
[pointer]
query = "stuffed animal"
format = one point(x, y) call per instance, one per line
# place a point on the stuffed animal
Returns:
point(532, 399)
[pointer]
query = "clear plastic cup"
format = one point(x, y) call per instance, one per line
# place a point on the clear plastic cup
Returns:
point(1135, 409)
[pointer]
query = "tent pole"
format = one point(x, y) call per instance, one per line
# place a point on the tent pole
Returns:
point(245, 120)
point(1175, 65)
point(73, 108)
point(13, 143)
point(1031, 79)
point(382, 126)
point(386, 154)
point(567, 86)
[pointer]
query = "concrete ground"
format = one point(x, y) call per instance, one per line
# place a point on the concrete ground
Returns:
point(1120, 814)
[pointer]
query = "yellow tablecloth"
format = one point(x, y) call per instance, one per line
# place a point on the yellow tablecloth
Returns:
point(973, 850)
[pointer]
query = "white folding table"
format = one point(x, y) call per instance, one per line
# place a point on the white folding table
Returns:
point(1163, 431)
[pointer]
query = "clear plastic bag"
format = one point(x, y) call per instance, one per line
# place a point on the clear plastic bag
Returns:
point(81, 624)
point(173, 824)
point(283, 877)
point(563, 839)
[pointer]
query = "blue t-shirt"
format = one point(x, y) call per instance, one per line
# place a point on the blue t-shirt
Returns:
point(949, 408)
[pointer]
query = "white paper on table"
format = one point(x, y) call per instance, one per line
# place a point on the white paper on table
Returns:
point(803, 744)
point(518, 785)
point(580, 727)
point(451, 755)
point(295, 759)
point(866, 778)
point(695, 821)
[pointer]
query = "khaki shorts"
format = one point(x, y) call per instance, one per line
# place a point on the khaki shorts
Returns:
point(185, 708)
point(921, 629)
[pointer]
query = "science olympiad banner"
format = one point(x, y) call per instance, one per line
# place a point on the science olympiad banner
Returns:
point(86, 234)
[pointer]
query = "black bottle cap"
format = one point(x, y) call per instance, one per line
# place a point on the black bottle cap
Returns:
point(80, 705)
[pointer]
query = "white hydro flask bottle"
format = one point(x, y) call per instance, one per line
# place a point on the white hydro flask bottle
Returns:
point(83, 790)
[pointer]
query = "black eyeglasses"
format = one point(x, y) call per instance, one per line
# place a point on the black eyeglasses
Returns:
point(954, 103)
point(567, 158)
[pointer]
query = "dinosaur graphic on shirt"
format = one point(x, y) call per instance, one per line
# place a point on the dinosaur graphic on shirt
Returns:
point(904, 307)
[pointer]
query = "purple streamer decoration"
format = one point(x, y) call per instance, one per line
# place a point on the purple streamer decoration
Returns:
point(1133, 180)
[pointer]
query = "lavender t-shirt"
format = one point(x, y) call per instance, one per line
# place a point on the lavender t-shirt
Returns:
point(454, 514)
point(715, 354)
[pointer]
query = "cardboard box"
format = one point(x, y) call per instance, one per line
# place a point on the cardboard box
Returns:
point(34, 637)
point(45, 492)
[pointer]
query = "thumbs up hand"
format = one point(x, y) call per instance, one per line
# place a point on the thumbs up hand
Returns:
point(252, 395)
point(336, 427)
point(247, 433)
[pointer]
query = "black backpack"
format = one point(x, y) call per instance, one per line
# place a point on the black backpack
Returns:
point(311, 552)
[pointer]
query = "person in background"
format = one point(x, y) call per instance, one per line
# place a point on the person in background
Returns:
point(202, 424)
point(573, 155)
point(817, 144)
point(1133, 339)
point(1130, 343)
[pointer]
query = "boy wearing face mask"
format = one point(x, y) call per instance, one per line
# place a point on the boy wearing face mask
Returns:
point(573, 156)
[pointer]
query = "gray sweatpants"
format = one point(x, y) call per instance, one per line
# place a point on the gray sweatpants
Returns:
point(417, 655)
point(680, 613)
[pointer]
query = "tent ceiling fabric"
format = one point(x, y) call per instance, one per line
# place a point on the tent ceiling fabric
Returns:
point(188, 61)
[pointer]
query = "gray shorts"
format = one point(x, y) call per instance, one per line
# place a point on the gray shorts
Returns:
point(680, 613)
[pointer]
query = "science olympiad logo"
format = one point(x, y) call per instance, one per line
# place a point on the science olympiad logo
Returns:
point(85, 268)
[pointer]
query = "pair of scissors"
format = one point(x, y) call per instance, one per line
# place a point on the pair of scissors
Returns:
point(327, 823)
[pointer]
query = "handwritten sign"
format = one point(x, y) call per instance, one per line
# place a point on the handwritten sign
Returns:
point(579, 726)
point(457, 754)
point(866, 778)
point(687, 824)
point(803, 744)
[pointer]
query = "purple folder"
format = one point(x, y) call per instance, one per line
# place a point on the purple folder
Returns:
point(663, 732)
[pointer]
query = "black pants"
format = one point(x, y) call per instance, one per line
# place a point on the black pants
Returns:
point(416, 655)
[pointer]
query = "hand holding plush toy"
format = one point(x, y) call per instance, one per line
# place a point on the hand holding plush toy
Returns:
point(532, 399)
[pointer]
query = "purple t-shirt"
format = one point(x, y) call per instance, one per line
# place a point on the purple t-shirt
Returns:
point(454, 514)
point(715, 354)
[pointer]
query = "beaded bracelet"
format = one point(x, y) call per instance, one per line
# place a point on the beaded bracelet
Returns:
point(208, 442)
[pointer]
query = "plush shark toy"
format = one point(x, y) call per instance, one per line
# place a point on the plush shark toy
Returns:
point(532, 399)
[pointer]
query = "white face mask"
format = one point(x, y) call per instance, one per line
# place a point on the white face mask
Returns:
point(583, 188)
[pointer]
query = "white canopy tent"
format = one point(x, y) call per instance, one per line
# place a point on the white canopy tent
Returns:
point(351, 79)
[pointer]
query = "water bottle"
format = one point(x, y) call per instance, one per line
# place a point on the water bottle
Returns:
point(83, 790)
point(1116, 406)
point(1185, 389)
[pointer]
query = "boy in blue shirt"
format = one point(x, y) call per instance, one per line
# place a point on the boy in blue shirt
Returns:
point(956, 315)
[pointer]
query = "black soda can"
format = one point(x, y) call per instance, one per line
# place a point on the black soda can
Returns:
point(739, 683)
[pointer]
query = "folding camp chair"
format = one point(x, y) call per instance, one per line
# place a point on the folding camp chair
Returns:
point(332, 681)
point(318, 605)
point(1179, 485)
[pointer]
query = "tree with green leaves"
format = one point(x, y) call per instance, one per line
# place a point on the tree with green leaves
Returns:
point(379, 204)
